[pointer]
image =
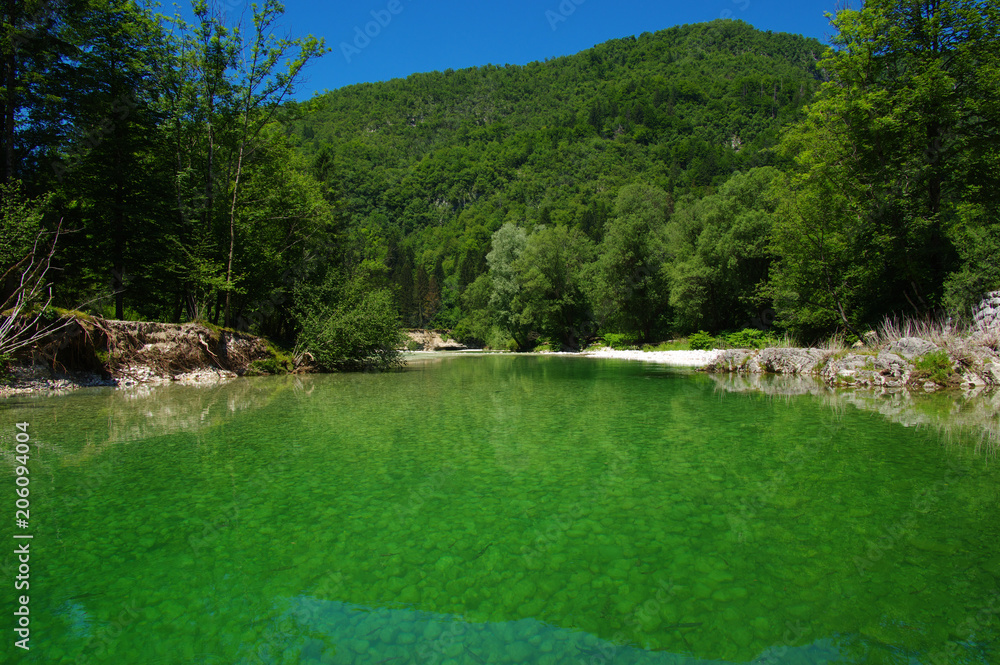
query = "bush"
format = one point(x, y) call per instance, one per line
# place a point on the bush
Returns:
point(414, 345)
point(701, 341)
point(935, 366)
point(278, 363)
point(748, 338)
point(349, 326)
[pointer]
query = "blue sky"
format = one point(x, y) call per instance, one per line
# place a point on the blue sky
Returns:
point(425, 35)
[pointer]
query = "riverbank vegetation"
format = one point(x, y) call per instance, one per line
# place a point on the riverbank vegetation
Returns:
point(706, 180)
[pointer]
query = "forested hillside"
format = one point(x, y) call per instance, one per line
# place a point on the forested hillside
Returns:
point(434, 164)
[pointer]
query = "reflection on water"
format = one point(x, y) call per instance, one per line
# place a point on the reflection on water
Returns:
point(970, 417)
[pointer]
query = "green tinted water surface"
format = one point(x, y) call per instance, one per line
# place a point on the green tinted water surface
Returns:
point(499, 510)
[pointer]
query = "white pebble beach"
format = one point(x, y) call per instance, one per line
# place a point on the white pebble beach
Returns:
point(677, 358)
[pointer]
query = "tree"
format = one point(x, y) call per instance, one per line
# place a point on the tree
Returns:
point(900, 146)
point(37, 46)
point(221, 94)
point(109, 163)
point(719, 249)
point(506, 301)
point(551, 273)
point(631, 290)
point(260, 91)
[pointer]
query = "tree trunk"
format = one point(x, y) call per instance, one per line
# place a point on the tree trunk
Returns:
point(10, 81)
point(232, 232)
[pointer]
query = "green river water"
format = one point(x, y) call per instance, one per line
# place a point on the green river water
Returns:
point(497, 509)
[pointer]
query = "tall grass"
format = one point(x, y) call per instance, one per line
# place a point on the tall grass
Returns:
point(836, 343)
point(941, 331)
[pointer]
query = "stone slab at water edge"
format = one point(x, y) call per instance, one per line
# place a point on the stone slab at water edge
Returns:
point(909, 362)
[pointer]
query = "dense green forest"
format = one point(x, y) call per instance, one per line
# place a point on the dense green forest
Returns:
point(709, 176)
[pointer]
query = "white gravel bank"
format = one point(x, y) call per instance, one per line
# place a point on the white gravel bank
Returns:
point(678, 358)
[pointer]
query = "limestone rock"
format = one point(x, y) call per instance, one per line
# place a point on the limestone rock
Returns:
point(771, 361)
point(792, 361)
point(911, 347)
point(986, 315)
point(886, 370)
point(733, 360)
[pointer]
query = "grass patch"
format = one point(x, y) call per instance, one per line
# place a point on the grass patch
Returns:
point(622, 341)
point(279, 362)
point(935, 366)
point(669, 345)
point(942, 331)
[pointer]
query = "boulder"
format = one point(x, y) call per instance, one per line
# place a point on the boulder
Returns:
point(911, 347)
point(735, 360)
point(885, 370)
point(793, 361)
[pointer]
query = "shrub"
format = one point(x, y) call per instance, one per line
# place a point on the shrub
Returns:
point(701, 341)
point(935, 366)
point(278, 363)
point(349, 326)
point(748, 338)
point(414, 345)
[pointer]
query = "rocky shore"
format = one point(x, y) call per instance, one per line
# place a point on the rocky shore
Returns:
point(908, 363)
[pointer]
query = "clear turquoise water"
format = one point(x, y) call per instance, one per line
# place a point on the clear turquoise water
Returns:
point(499, 510)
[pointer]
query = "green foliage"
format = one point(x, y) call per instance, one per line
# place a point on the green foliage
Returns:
point(6, 374)
point(977, 242)
point(935, 366)
point(748, 338)
point(552, 273)
point(506, 300)
point(621, 341)
point(20, 221)
point(895, 177)
point(701, 341)
point(278, 362)
point(347, 326)
point(630, 288)
point(442, 162)
point(719, 246)
point(672, 345)
point(648, 184)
